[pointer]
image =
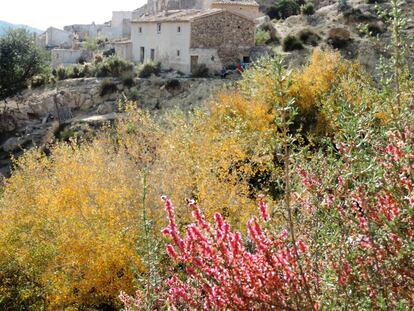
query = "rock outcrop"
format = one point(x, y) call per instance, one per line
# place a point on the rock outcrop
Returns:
point(36, 117)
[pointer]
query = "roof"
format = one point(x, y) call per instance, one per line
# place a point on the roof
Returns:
point(182, 15)
point(237, 2)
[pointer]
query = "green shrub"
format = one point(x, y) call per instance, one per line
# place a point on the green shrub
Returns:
point(91, 45)
point(76, 72)
point(88, 70)
point(39, 80)
point(343, 5)
point(307, 9)
point(274, 37)
point(134, 95)
point(308, 37)
point(61, 73)
point(262, 37)
point(128, 81)
point(149, 69)
point(103, 70)
point(200, 71)
point(119, 67)
point(107, 87)
point(291, 43)
point(283, 9)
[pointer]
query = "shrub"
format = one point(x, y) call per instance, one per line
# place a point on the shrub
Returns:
point(262, 37)
point(119, 67)
point(109, 52)
point(343, 5)
point(269, 27)
point(39, 80)
point(375, 29)
point(103, 70)
point(88, 71)
point(128, 81)
point(283, 9)
point(20, 60)
point(82, 60)
point(217, 264)
point(98, 59)
point(200, 71)
point(149, 69)
point(291, 43)
point(308, 8)
point(134, 95)
point(172, 84)
point(308, 37)
point(338, 37)
point(76, 247)
point(61, 73)
point(107, 87)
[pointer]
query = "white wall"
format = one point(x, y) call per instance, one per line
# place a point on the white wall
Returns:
point(124, 50)
point(58, 38)
point(208, 57)
point(166, 44)
point(66, 57)
point(121, 24)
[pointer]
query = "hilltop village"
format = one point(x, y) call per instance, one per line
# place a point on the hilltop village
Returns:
point(179, 35)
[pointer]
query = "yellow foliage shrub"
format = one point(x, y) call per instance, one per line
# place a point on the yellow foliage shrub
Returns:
point(73, 219)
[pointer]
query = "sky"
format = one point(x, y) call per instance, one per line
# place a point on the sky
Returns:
point(57, 13)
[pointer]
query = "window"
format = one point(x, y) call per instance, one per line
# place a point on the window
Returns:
point(159, 28)
point(140, 29)
point(212, 58)
point(179, 29)
point(178, 53)
point(152, 54)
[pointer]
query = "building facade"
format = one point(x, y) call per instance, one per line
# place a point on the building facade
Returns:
point(184, 39)
point(55, 38)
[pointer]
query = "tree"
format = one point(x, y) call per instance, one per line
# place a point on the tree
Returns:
point(20, 60)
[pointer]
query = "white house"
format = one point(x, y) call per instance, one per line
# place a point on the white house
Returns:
point(183, 39)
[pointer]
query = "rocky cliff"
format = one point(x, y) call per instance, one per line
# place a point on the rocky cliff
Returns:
point(38, 117)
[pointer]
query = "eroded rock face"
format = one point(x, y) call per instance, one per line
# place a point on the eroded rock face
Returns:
point(37, 116)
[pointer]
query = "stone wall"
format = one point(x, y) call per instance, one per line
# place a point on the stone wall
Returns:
point(232, 35)
point(250, 11)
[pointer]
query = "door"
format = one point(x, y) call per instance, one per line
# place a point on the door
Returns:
point(194, 62)
point(142, 54)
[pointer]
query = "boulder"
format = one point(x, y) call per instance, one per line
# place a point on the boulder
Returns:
point(105, 108)
point(14, 143)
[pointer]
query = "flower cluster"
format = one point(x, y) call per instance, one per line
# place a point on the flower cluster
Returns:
point(225, 272)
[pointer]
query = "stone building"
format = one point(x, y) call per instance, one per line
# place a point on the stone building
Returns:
point(184, 39)
point(250, 8)
point(55, 38)
point(89, 31)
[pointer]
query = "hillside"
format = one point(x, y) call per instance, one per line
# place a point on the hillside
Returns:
point(5, 25)
point(284, 184)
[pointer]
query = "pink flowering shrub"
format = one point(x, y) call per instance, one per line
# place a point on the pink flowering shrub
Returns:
point(358, 252)
point(364, 237)
point(222, 273)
